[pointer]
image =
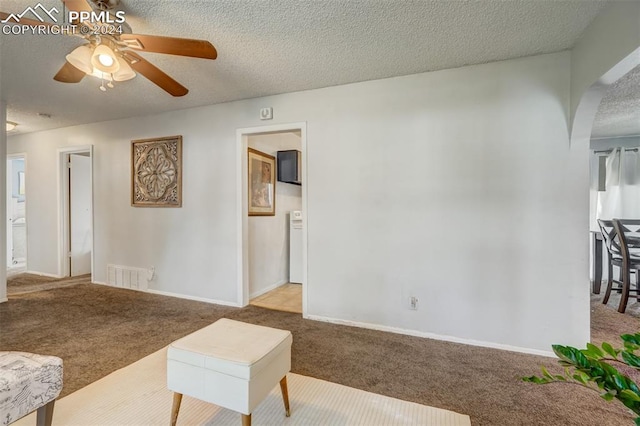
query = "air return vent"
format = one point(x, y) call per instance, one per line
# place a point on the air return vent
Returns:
point(127, 277)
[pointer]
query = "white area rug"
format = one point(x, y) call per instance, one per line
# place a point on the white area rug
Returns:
point(137, 395)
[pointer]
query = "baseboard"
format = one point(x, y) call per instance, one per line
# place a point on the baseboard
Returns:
point(196, 298)
point(268, 289)
point(43, 274)
point(4, 300)
point(179, 296)
point(433, 336)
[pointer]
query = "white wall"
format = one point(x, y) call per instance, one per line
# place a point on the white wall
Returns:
point(608, 49)
point(450, 186)
point(269, 235)
point(3, 203)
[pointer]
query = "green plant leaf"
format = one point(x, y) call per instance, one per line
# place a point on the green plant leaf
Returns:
point(631, 338)
point(631, 359)
point(546, 373)
point(571, 355)
point(606, 396)
point(581, 377)
point(609, 349)
point(620, 381)
point(535, 379)
point(637, 421)
point(630, 395)
point(630, 347)
point(593, 351)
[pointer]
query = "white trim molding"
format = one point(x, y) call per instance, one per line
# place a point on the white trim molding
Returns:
point(242, 224)
point(268, 289)
point(176, 295)
point(196, 298)
point(23, 156)
point(44, 274)
point(433, 336)
point(63, 194)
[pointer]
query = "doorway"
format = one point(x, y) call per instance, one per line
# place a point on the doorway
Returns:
point(264, 273)
point(16, 214)
point(76, 206)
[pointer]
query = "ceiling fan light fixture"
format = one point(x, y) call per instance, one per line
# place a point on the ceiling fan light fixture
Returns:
point(101, 75)
point(81, 58)
point(125, 72)
point(104, 59)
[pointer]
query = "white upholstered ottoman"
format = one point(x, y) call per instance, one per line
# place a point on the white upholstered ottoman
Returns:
point(231, 364)
point(28, 382)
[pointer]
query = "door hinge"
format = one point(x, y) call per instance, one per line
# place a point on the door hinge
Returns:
point(69, 255)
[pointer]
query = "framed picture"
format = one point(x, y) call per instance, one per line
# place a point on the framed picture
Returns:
point(262, 183)
point(156, 172)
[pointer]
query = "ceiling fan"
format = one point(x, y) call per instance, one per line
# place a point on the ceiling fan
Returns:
point(109, 50)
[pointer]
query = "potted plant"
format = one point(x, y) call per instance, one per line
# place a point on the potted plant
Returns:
point(595, 368)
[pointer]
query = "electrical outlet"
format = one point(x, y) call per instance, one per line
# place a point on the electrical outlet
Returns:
point(413, 303)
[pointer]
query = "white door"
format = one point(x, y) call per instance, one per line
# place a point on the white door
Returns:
point(80, 239)
point(9, 213)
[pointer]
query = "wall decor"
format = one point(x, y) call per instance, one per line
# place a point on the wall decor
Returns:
point(262, 183)
point(156, 172)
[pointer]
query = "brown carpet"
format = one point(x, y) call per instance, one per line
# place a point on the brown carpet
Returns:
point(98, 329)
point(28, 283)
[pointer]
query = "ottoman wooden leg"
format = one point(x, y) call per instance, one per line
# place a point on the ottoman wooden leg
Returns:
point(45, 414)
point(177, 399)
point(285, 395)
point(246, 420)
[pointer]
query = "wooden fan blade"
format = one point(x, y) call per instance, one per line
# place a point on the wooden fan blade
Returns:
point(23, 21)
point(172, 45)
point(69, 74)
point(154, 74)
point(77, 5)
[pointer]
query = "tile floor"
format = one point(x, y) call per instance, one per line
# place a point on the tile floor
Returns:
point(287, 297)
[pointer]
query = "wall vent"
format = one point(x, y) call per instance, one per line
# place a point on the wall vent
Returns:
point(127, 277)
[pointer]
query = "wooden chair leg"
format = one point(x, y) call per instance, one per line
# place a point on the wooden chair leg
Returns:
point(626, 285)
point(45, 414)
point(177, 400)
point(246, 420)
point(607, 293)
point(285, 396)
point(620, 277)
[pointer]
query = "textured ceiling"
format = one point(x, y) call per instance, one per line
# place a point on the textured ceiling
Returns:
point(276, 46)
point(619, 111)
